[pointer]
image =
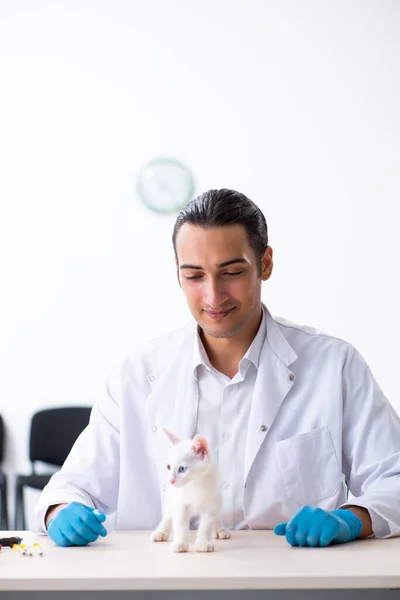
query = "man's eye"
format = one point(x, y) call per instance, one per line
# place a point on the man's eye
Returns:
point(228, 273)
point(168, 467)
point(192, 277)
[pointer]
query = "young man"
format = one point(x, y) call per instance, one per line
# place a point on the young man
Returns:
point(292, 415)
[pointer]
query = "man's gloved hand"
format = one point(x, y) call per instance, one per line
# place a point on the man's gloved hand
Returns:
point(76, 525)
point(312, 526)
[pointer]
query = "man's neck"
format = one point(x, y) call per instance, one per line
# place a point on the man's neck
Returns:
point(225, 354)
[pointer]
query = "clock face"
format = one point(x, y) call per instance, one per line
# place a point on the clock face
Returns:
point(165, 185)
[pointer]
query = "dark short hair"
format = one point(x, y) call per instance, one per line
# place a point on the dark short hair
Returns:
point(217, 208)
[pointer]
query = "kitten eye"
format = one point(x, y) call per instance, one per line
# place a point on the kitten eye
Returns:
point(182, 469)
point(168, 467)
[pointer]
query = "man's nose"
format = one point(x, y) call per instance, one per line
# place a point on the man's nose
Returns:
point(214, 294)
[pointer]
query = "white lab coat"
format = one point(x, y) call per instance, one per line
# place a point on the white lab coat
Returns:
point(318, 420)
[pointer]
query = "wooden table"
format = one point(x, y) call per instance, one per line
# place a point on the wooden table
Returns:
point(129, 564)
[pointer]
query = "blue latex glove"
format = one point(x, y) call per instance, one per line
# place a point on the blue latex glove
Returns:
point(76, 525)
point(312, 526)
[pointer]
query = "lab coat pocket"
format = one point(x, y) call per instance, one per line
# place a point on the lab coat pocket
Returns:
point(309, 467)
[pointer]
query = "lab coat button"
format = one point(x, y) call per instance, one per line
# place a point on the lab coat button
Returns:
point(263, 428)
point(154, 428)
point(291, 377)
point(225, 485)
point(226, 435)
point(151, 377)
point(163, 487)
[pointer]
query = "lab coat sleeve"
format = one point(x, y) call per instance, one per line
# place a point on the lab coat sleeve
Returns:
point(90, 473)
point(371, 447)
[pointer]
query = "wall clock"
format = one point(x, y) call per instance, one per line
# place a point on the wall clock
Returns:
point(165, 185)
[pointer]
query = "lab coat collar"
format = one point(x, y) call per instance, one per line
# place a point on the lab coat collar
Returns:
point(277, 341)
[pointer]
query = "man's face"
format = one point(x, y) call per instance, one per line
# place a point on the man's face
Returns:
point(220, 278)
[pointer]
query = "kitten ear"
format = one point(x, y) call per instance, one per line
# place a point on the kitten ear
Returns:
point(200, 446)
point(173, 438)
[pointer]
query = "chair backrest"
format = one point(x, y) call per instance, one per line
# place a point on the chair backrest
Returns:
point(1, 439)
point(54, 432)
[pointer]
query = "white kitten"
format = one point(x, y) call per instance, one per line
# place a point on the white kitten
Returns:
point(193, 491)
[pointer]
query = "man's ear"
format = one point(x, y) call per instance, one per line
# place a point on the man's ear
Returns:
point(177, 272)
point(267, 264)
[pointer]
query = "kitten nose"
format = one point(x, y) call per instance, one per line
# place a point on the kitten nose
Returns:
point(172, 481)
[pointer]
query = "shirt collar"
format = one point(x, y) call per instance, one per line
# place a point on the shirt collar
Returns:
point(254, 351)
point(252, 355)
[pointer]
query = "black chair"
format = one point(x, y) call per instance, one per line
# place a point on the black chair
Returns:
point(53, 433)
point(3, 483)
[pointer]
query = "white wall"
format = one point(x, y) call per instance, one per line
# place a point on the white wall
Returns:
point(294, 103)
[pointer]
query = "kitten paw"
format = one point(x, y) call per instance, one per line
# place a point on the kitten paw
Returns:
point(159, 536)
point(222, 534)
point(179, 547)
point(204, 547)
